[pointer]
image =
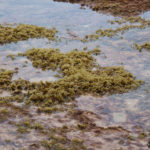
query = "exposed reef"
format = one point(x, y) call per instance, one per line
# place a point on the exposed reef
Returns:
point(123, 8)
point(23, 32)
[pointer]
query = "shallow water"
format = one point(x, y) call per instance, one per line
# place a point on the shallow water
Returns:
point(128, 109)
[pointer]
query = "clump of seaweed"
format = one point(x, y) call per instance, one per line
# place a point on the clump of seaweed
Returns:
point(110, 32)
point(5, 78)
point(60, 142)
point(132, 20)
point(3, 114)
point(47, 109)
point(26, 125)
point(56, 137)
point(11, 56)
point(142, 135)
point(140, 24)
point(23, 32)
point(78, 78)
point(22, 130)
point(145, 45)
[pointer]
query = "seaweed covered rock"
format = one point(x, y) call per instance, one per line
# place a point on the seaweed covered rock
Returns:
point(22, 32)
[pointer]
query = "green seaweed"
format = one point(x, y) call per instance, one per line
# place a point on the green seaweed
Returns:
point(5, 78)
point(80, 75)
point(11, 56)
point(23, 32)
point(27, 125)
point(142, 135)
point(140, 24)
point(146, 46)
point(132, 20)
point(130, 138)
point(82, 126)
point(22, 130)
point(59, 142)
point(4, 114)
point(47, 109)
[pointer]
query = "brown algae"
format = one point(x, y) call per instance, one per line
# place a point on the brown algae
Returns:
point(23, 32)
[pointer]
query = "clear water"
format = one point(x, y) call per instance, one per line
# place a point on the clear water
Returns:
point(127, 109)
